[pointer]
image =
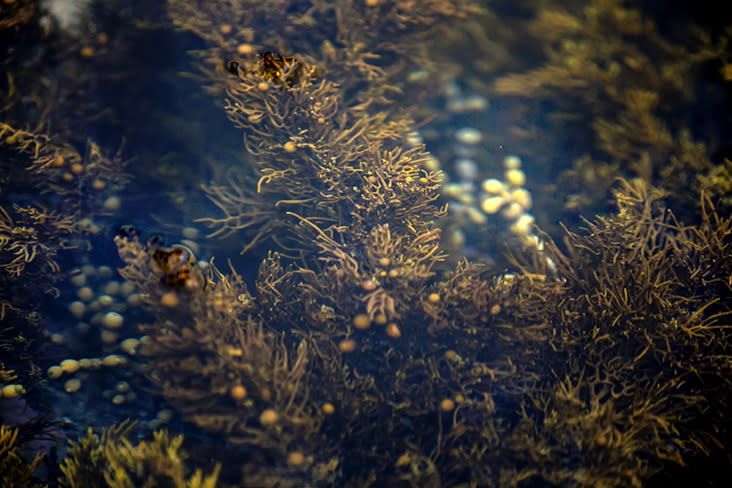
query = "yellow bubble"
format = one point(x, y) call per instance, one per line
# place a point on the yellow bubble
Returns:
point(112, 320)
point(493, 186)
point(361, 321)
point(512, 211)
point(70, 366)
point(512, 162)
point(169, 299)
point(328, 409)
point(347, 345)
point(295, 458)
point(522, 197)
point(55, 372)
point(11, 391)
point(129, 346)
point(108, 337)
point(368, 285)
point(72, 385)
point(492, 205)
point(127, 288)
point(515, 177)
point(432, 164)
point(85, 293)
point(392, 330)
point(447, 405)
point(268, 417)
point(244, 49)
point(523, 225)
point(112, 288)
point(78, 279)
point(113, 360)
point(238, 392)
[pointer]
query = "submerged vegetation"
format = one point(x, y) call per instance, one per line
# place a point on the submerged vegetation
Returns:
point(350, 344)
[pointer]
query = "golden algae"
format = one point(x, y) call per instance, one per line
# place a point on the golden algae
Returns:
point(596, 357)
point(112, 460)
point(353, 219)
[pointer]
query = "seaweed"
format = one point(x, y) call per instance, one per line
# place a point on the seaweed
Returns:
point(366, 353)
point(15, 469)
point(111, 460)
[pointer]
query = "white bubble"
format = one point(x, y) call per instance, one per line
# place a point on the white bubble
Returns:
point(468, 135)
point(191, 233)
point(466, 169)
point(112, 203)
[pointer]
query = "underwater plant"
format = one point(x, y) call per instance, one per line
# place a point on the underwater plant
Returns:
point(111, 460)
point(15, 470)
point(349, 345)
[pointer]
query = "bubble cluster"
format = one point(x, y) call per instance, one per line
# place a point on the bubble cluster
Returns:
point(11, 391)
point(475, 202)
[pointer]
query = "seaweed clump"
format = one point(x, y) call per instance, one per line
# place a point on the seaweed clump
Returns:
point(15, 470)
point(361, 359)
point(613, 92)
point(111, 460)
point(53, 180)
point(639, 347)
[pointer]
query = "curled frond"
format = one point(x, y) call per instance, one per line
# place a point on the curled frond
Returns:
point(32, 237)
